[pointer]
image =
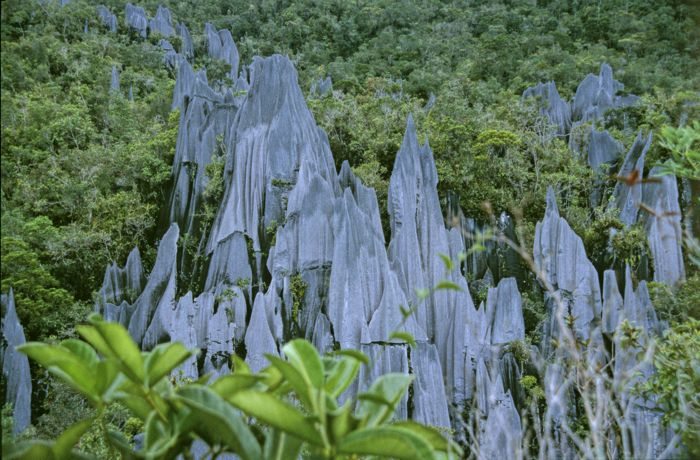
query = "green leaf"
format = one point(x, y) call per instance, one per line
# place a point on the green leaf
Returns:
point(30, 450)
point(342, 373)
point(217, 422)
point(294, 378)
point(163, 359)
point(430, 435)
point(444, 284)
point(281, 446)
point(239, 366)
point(403, 336)
point(227, 385)
point(273, 411)
point(84, 352)
point(69, 438)
point(342, 421)
point(378, 404)
point(106, 374)
point(358, 355)
point(422, 293)
point(447, 262)
point(63, 363)
point(306, 359)
point(113, 341)
point(386, 442)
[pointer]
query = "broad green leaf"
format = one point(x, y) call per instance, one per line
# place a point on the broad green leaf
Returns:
point(217, 422)
point(123, 346)
point(69, 438)
point(281, 446)
point(404, 336)
point(306, 359)
point(378, 404)
point(112, 341)
point(294, 378)
point(449, 285)
point(358, 355)
point(342, 421)
point(163, 359)
point(386, 442)
point(273, 411)
point(229, 384)
point(82, 351)
point(117, 440)
point(341, 375)
point(430, 435)
point(106, 374)
point(375, 398)
point(447, 262)
point(239, 366)
point(63, 363)
point(30, 450)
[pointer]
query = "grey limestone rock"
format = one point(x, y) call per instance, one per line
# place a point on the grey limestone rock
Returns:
point(603, 151)
point(551, 105)
point(187, 46)
point(561, 261)
point(596, 94)
point(220, 46)
point(114, 82)
point(229, 265)
point(109, 19)
point(273, 133)
point(259, 338)
point(171, 58)
point(504, 313)
point(162, 23)
point(612, 302)
point(15, 366)
point(628, 191)
point(219, 341)
point(159, 291)
point(663, 227)
point(385, 359)
point(501, 436)
point(136, 19)
point(429, 398)
point(122, 284)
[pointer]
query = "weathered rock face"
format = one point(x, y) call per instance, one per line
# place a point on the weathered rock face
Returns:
point(136, 19)
point(551, 105)
point(663, 226)
point(297, 250)
point(15, 366)
point(628, 191)
point(561, 262)
point(220, 46)
point(114, 82)
point(596, 94)
point(162, 23)
point(109, 19)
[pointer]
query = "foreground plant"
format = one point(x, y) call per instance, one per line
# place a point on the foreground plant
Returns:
point(295, 403)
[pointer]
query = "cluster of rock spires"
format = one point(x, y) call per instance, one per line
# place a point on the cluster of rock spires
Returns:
point(297, 250)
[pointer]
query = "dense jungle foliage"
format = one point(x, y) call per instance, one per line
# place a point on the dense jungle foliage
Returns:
point(85, 171)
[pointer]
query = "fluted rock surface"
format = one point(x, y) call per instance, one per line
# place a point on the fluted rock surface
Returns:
point(551, 106)
point(663, 226)
point(15, 366)
point(109, 19)
point(162, 23)
point(563, 266)
point(136, 19)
